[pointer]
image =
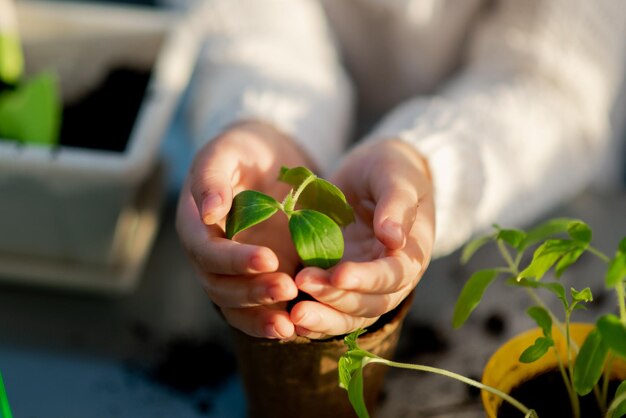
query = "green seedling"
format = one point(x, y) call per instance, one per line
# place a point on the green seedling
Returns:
point(316, 210)
point(30, 109)
point(559, 244)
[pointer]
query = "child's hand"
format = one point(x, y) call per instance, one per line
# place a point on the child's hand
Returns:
point(386, 250)
point(250, 278)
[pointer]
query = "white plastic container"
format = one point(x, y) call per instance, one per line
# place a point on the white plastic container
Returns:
point(86, 218)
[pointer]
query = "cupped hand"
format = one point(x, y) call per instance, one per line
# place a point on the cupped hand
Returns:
point(248, 278)
point(387, 249)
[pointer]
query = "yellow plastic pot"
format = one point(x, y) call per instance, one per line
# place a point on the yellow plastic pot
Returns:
point(504, 371)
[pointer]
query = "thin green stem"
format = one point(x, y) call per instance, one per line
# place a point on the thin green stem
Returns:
point(598, 254)
point(604, 395)
point(566, 381)
point(456, 376)
point(616, 402)
point(507, 257)
point(619, 289)
point(570, 366)
point(291, 199)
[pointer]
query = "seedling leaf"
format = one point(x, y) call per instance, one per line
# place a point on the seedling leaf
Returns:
point(616, 271)
point(613, 333)
point(11, 58)
point(248, 209)
point(579, 231)
point(620, 409)
point(34, 100)
point(513, 237)
point(473, 246)
point(317, 238)
point(589, 363)
point(351, 372)
point(531, 414)
point(471, 295)
point(546, 230)
point(546, 255)
point(537, 350)
point(542, 318)
point(319, 195)
point(582, 296)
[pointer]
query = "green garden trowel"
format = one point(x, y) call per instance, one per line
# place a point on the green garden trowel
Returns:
point(30, 109)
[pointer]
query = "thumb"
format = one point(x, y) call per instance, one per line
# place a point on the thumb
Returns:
point(210, 183)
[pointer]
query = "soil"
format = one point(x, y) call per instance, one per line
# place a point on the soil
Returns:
point(104, 118)
point(546, 394)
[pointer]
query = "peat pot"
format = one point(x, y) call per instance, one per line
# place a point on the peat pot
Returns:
point(300, 378)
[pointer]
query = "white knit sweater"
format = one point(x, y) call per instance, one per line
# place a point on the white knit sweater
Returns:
point(510, 101)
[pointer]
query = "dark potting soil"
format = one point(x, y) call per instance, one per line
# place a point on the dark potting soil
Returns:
point(189, 364)
point(103, 119)
point(546, 394)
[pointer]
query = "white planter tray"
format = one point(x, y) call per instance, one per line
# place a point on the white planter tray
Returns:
point(68, 215)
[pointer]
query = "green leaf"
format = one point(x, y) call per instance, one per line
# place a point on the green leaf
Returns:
point(568, 260)
point(622, 246)
point(355, 394)
point(582, 296)
point(537, 350)
point(319, 195)
point(350, 369)
point(11, 58)
point(471, 295)
point(589, 363)
point(554, 287)
point(620, 409)
point(531, 414)
point(547, 255)
point(513, 237)
point(317, 238)
point(248, 209)
point(32, 112)
point(473, 246)
point(542, 318)
point(579, 231)
point(616, 271)
point(546, 230)
point(613, 333)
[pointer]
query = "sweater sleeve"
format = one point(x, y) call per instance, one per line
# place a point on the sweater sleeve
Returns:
point(524, 123)
point(274, 61)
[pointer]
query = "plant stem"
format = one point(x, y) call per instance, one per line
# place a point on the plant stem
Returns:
point(598, 254)
point(453, 375)
point(507, 257)
point(291, 199)
point(568, 385)
point(616, 402)
point(604, 395)
point(570, 366)
point(619, 288)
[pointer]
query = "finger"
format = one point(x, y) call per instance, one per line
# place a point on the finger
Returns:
point(262, 322)
point(248, 291)
point(381, 276)
point(319, 318)
point(346, 301)
point(211, 181)
point(211, 252)
point(396, 207)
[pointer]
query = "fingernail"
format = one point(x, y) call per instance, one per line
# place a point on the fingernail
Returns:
point(309, 319)
point(209, 203)
point(394, 231)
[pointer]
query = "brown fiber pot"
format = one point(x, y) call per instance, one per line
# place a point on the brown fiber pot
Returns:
point(503, 370)
point(299, 379)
